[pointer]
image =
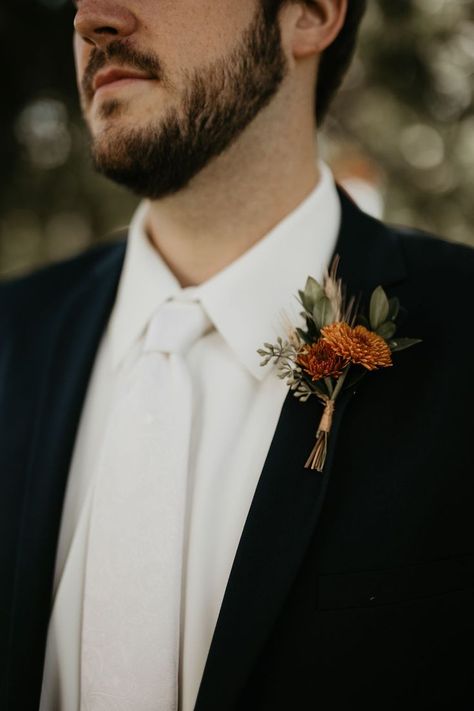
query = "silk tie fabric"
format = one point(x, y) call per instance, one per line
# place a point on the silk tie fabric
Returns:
point(131, 615)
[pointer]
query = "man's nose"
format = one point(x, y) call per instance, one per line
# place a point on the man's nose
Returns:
point(100, 21)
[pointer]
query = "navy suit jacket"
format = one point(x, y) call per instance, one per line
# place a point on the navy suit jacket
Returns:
point(350, 588)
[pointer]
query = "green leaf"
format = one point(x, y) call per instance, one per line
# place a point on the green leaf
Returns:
point(313, 330)
point(329, 315)
point(304, 336)
point(322, 312)
point(387, 330)
point(393, 308)
point(400, 344)
point(313, 289)
point(307, 303)
point(312, 292)
point(378, 308)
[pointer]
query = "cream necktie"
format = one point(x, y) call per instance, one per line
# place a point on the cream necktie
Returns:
point(130, 635)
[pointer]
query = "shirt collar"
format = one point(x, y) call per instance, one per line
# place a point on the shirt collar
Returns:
point(249, 299)
point(145, 283)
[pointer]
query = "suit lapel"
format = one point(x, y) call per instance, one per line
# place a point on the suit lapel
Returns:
point(284, 511)
point(289, 498)
point(64, 358)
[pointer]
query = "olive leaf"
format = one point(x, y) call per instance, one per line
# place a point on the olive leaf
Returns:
point(306, 302)
point(323, 313)
point(400, 344)
point(379, 308)
point(313, 290)
point(386, 330)
point(305, 337)
point(393, 308)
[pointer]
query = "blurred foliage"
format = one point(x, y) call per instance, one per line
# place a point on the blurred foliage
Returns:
point(407, 104)
point(406, 108)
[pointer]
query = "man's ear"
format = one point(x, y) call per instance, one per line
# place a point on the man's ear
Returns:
point(316, 25)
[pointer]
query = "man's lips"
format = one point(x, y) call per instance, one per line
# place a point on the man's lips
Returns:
point(112, 76)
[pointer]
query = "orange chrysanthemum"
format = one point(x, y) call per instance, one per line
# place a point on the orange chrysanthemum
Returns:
point(358, 345)
point(319, 360)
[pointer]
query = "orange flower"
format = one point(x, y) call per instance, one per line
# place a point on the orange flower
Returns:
point(358, 345)
point(320, 360)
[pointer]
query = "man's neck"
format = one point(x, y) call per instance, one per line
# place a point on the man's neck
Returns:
point(231, 205)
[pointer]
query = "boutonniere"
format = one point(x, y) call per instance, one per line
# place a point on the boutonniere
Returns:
point(336, 349)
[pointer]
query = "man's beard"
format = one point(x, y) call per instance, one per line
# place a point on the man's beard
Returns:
point(219, 103)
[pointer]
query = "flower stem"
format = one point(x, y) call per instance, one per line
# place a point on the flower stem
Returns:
point(340, 383)
point(329, 386)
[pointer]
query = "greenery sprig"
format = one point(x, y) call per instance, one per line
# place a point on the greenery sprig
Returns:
point(338, 340)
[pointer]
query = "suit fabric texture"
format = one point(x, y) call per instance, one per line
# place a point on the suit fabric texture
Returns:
point(354, 587)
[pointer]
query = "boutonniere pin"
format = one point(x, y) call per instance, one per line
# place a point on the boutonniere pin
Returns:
point(336, 349)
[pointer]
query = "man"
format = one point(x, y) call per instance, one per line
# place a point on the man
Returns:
point(163, 545)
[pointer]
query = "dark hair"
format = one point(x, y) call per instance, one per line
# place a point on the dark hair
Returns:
point(336, 58)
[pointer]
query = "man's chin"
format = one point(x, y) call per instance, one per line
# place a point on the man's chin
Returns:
point(144, 167)
point(216, 106)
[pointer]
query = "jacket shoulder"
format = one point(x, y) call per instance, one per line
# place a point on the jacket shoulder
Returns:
point(430, 256)
point(436, 294)
point(37, 290)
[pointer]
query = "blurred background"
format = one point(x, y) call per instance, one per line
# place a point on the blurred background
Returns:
point(400, 136)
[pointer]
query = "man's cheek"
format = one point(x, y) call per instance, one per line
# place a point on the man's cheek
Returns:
point(80, 56)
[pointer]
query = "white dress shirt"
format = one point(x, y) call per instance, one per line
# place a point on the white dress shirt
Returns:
point(237, 407)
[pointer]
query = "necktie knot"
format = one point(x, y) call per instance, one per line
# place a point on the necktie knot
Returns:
point(175, 326)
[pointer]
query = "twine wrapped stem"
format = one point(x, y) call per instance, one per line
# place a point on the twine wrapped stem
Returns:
point(318, 454)
point(317, 458)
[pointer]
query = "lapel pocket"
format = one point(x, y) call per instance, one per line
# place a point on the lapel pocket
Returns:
point(383, 587)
